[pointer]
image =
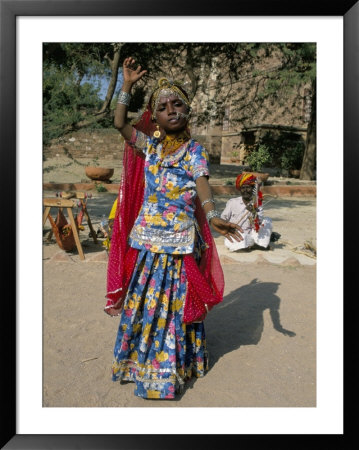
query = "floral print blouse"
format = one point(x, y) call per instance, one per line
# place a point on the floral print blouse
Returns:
point(166, 222)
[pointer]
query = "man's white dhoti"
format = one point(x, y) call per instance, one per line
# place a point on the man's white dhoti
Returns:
point(251, 237)
point(236, 212)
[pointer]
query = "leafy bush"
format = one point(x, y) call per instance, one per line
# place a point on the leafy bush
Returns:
point(100, 187)
point(292, 156)
point(259, 157)
point(280, 150)
point(64, 102)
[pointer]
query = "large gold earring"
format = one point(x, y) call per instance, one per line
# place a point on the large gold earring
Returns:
point(157, 133)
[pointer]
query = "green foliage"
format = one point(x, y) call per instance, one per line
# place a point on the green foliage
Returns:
point(71, 86)
point(100, 187)
point(283, 150)
point(259, 157)
point(82, 59)
point(65, 101)
point(297, 68)
point(71, 92)
point(292, 156)
point(287, 150)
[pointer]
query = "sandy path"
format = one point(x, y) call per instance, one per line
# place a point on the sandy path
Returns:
point(253, 362)
point(261, 339)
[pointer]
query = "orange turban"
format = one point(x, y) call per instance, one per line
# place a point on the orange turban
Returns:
point(245, 178)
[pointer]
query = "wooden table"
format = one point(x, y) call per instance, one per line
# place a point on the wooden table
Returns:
point(68, 203)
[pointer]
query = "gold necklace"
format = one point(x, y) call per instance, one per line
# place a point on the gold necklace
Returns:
point(172, 143)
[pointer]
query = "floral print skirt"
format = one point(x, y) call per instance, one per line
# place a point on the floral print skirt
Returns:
point(154, 348)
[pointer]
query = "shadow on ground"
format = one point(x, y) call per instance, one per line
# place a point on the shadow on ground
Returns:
point(239, 319)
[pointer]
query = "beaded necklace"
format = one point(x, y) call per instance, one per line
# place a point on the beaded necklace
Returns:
point(171, 143)
point(174, 145)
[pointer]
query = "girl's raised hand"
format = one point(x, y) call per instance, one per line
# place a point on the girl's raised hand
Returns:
point(130, 73)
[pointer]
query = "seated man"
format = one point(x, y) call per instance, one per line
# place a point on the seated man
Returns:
point(247, 212)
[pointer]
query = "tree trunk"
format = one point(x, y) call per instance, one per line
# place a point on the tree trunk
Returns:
point(308, 170)
point(114, 64)
point(88, 122)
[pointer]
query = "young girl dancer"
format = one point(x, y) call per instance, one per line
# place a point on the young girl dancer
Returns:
point(164, 273)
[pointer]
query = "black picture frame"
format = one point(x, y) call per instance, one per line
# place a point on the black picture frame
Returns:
point(11, 9)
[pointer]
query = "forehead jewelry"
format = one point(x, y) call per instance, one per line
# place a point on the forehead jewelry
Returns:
point(166, 88)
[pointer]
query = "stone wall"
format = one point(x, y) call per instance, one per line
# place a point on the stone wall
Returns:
point(101, 143)
point(108, 144)
point(213, 145)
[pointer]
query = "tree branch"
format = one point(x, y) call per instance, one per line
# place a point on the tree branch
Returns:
point(114, 65)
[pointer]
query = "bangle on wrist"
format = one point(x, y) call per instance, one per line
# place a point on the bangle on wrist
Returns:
point(208, 200)
point(124, 98)
point(211, 214)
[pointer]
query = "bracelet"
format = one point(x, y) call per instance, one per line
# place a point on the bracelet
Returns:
point(124, 98)
point(207, 201)
point(211, 214)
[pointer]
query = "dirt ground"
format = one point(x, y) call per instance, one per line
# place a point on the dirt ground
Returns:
point(261, 339)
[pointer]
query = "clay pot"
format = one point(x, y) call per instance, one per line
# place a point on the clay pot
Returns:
point(263, 176)
point(99, 173)
point(295, 173)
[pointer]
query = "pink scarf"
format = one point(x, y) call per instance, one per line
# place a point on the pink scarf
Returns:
point(205, 282)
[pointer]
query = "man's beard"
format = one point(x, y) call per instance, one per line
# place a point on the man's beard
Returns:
point(247, 197)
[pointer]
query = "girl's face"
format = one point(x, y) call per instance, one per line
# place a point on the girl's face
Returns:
point(172, 114)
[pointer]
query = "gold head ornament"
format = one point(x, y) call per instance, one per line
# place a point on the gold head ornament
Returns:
point(166, 88)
